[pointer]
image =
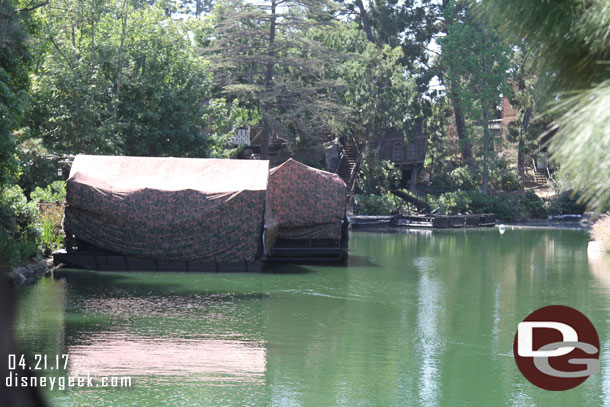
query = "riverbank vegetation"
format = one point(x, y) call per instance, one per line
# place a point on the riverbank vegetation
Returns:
point(31, 227)
point(489, 90)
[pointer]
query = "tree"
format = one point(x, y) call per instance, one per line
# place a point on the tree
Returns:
point(568, 39)
point(527, 97)
point(377, 92)
point(261, 53)
point(198, 7)
point(120, 80)
point(410, 25)
point(15, 65)
point(476, 71)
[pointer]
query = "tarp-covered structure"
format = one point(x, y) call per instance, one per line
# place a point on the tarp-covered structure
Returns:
point(308, 203)
point(171, 209)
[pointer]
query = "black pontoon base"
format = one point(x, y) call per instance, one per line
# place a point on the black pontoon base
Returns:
point(116, 262)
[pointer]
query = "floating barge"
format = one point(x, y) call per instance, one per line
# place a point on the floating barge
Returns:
point(426, 221)
point(179, 214)
point(370, 221)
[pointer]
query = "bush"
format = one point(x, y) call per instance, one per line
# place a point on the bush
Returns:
point(38, 166)
point(18, 217)
point(371, 204)
point(600, 231)
point(24, 230)
point(464, 178)
point(51, 235)
point(55, 192)
point(532, 206)
point(19, 234)
point(377, 177)
point(474, 202)
point(13, 252)
point(9, 251)
point(564, 203)
point(505, 179)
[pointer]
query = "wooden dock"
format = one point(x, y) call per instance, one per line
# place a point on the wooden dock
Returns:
point(425, 221)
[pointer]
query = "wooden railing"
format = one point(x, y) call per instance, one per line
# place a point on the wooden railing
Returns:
point(356, 169)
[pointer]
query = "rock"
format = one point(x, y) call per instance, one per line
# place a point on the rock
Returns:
point(29, 272)
point(15, 278)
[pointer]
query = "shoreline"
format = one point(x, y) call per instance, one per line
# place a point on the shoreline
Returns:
point(385, 221)
point(30, 272)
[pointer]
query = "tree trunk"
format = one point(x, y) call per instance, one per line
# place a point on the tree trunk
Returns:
point(366, 26)
point(487, 106)
point(265, 138)
point(269, 83)
point(485, 175)
point(521, 145)
point(413, 180)
point(460, 126)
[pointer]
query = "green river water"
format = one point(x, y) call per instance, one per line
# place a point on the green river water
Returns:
point(418, 318)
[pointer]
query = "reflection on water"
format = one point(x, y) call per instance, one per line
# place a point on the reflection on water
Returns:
point(198, 360)
point(430, 350)
point(415, 319)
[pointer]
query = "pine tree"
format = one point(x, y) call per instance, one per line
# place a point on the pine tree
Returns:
point(262, 53)
point(569, 41)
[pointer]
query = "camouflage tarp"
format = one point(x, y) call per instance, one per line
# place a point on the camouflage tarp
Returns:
point(308, 203)
point(180, 209)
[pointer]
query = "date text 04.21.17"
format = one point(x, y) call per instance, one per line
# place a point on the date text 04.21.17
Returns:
point(40, 362)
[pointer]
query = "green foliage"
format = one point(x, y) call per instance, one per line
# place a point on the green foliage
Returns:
point(18, 216)
point(371, 204)
point(24, 230)
point(377, 92)
point(272, 58)
point(473, 202)
point(475, 66)
point(14, 252)
point(9, 251)
point(565, 203)
point(28, 248)
point(18, 230)
point(223, 119)
point(567, 199)
point(508, 207)
point(15, 59)
point(467, 178)
point(38, 167)
point(569, 41)
point(377, 177)
point(51, 236)
point(132, 84)
point(565, 37)
point(582, 144)
point(55, 192)
point(464, 178)
point(11, 107)
point(502, 177)
point(532, 206)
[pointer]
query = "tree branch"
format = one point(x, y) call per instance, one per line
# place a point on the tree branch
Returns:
point(31, 8)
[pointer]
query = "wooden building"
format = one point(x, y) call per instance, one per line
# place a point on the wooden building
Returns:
point(408, 154)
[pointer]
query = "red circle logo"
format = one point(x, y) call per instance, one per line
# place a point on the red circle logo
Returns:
point(556, 348)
